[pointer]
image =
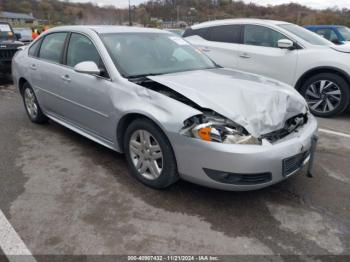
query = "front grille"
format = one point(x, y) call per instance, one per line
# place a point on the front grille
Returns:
point(7, 54)
point(238, 179)
point(294, 163)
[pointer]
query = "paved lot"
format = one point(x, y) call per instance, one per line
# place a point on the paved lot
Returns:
point(64, 194)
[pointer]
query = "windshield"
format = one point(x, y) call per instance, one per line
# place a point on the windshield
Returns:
point(5, 32)
point(306, 35)
point(345, 32)
point(142, 54)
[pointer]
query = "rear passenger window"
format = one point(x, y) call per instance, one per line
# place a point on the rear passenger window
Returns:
point(81, 49)
point(261, 36)
point(52, 47)
point(34, 49)
point(202, 32)
point(225, 33)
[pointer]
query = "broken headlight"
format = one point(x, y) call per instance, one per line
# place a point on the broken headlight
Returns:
point(215, 128)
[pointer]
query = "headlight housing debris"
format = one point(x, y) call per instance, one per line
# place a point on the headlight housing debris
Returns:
point(213, 127)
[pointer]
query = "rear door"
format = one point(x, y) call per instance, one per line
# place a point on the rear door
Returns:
point(220, 43)
point(260, 54)
point(46, 69)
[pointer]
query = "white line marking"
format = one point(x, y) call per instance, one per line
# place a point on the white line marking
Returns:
point(11, 243)
point(331, 132)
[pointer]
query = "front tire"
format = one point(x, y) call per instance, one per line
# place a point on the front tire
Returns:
point(149, 155)
point(32, 106)
point(327, 94)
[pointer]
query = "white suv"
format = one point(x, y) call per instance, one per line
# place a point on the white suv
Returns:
point(317, 68)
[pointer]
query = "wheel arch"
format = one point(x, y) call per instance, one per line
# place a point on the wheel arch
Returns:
point(126, 120)
point(320, 70)
point(21, 83)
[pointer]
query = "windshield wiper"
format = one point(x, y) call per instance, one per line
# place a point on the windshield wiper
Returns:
point(143, 75)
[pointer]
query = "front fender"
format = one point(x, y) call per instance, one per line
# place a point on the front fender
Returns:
point(169, 114)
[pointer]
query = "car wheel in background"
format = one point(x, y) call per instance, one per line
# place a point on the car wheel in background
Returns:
point(32, 106)
point(149, 154)
point(326, 94)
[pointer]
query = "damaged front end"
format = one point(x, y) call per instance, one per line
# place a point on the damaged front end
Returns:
point(213, 127)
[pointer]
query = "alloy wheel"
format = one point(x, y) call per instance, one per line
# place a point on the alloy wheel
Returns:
point(323, 96)
point(146, 154)
point(29, 99)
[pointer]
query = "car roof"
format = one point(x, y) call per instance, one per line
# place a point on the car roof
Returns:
point(103, 29)
point(238, 21)
point(324, 26)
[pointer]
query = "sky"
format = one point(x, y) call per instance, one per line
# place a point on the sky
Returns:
point(317, 4)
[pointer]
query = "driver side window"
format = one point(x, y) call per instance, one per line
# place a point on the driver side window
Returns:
point(261, 36)
point(81, 49)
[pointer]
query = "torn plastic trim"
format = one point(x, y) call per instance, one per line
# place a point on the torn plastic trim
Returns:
point(293, 124)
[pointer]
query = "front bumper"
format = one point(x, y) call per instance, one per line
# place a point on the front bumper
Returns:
point(195, 157)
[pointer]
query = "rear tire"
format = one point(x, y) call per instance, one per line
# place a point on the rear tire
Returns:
point(149, 155)
point(32, 106)
point(327, 94)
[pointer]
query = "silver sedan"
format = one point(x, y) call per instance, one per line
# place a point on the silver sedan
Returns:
point(173, 112)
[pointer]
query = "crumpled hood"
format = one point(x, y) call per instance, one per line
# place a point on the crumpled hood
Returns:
point(259, 104)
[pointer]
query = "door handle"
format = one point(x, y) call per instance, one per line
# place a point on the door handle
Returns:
point(244, 55)
point(66, 78)
point(33, 67)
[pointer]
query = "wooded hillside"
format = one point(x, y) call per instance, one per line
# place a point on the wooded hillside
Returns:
point(191, 11)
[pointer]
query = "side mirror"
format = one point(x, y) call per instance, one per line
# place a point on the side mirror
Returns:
point(18, 36)
point(285, 44)
point(87, 67)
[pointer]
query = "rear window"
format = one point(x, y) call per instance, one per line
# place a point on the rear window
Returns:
point(202, 32)
point(52, 47)
point(225, 33)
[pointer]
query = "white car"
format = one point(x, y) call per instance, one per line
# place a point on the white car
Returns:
point(317, 68)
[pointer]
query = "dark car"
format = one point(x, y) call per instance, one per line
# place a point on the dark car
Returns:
point(335, 33)
point(8, 47)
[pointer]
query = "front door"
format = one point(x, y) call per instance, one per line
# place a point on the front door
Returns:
point(260, 54)
point(86, 98)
